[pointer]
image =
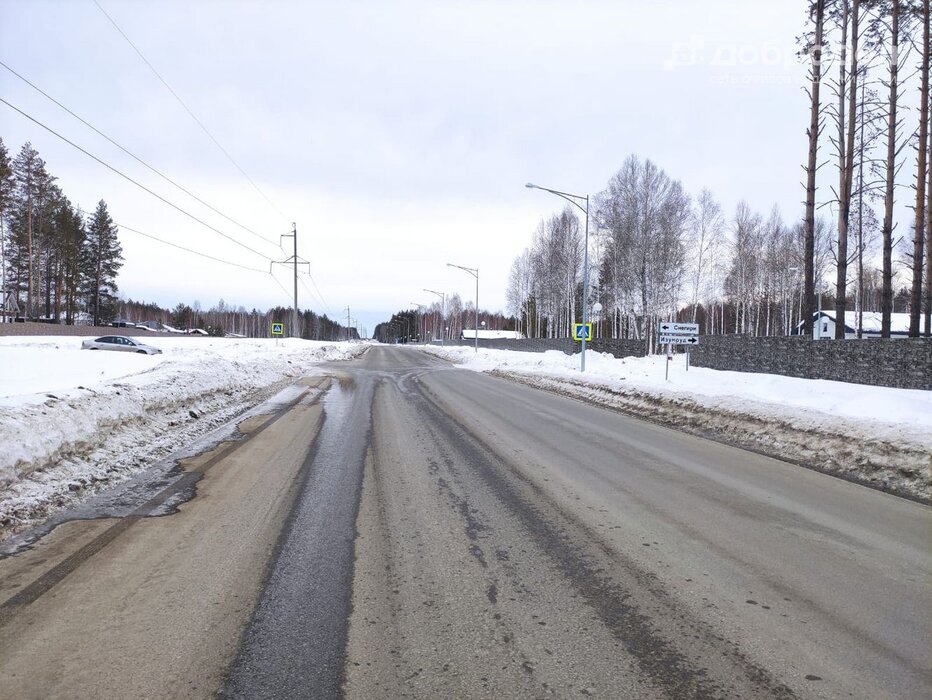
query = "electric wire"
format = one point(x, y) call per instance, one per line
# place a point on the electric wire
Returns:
point(287, 293)
point(181, 102)
point(189, 250)
point(135, 157)
point(307, 289)
point(319, 294)
point(138, 184)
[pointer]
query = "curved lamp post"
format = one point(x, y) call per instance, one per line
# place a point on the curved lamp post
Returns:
point(575, 200)
point(474, 271)
point(443, 310)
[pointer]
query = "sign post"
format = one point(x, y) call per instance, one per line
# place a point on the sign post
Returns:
point(678, 340)
point(582, 331)
point(278, 331)
point(670, 333)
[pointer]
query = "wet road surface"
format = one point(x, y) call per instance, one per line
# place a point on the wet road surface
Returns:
point(511, 543)
point(419, 531)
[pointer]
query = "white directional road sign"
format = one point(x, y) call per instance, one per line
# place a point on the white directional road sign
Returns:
point(679, 340)
point(671, 328)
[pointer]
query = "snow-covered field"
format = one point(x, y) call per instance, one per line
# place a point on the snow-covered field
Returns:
point(72, 420)
point(876, 435)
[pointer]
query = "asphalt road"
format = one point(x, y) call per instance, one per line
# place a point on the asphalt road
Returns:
point(450, 534)
point(514, 543)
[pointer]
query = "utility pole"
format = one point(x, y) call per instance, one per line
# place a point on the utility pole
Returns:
point(294, 316)
point(296, 261)
point(443, 310)
point(347, 322)
point(475, 273)
point(575, 200)
point(419, 321)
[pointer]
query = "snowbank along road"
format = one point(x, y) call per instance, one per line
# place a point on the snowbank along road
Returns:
point(406, 529)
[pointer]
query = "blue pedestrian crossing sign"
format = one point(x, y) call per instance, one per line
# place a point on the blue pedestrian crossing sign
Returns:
point(278, 329)
point(582, 331)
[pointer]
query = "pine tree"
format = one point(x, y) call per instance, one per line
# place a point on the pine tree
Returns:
point(919, 233)
point(29, 174)
point(101, 259)
point(813, 49)
point(6, 200)
point(71, 241)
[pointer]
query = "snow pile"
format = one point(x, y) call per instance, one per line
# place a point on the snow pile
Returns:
point(876, 435)
point(73, 419)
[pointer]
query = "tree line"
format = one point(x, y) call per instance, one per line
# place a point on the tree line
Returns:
point(228, 319)
point(866, 52)
point(56, 262)
point(60, 265)
point(445, 319)
point(658, 253)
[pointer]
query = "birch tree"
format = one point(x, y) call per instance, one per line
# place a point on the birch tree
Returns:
point(705, 233)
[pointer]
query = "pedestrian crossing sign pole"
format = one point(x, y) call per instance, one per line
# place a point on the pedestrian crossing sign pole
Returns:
point(278, 331)
point(582, 331)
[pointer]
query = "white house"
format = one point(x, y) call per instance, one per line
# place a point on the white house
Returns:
point(470, 334)
point(823, 325)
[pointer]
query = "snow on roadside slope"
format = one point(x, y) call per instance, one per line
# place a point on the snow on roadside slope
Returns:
point(876, 435)
point(72, 419)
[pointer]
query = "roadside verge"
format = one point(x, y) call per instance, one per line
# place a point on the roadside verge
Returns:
point(900, 468)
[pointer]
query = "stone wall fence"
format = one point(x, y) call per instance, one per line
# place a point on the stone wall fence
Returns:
point(896, 362)
point(905, 363)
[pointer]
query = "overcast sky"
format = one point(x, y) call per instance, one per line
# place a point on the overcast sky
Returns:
point(397, 135)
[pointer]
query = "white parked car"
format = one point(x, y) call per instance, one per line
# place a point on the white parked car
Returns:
point(119, 342)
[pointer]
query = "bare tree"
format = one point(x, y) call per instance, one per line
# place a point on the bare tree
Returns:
point(741, 283)
point(813, 49)
point(647, 213)
point(848, 19)
point(928, 296)
point(892, 29)
point(921, 174)
point(520, 290)
point(706, 225)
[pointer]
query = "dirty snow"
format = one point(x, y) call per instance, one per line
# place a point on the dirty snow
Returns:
point(72, 420)
point(879, 436)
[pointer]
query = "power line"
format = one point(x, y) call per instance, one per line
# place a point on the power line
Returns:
point(181, 102)
point(188, 250)
point(308, 289)
point(141, 186)
point(135, 157)
point(287, 293)
point(319, 295)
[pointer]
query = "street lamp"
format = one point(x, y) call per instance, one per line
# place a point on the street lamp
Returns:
point(417, 322)
point(443, 310)
point(474, 271)
point(574, 199)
